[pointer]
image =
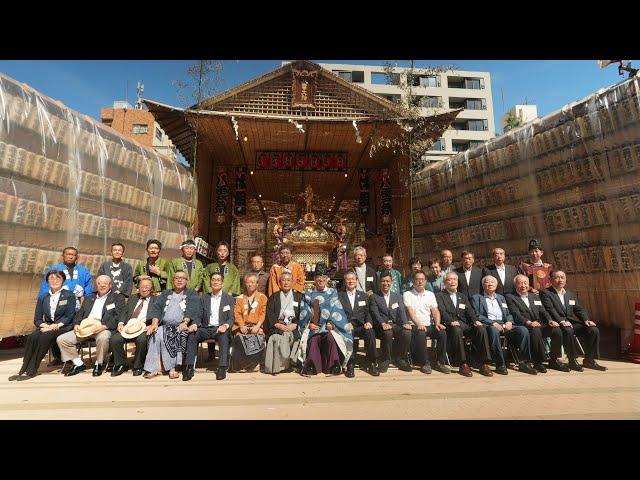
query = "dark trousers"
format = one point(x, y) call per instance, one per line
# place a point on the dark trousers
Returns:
point(558, 338)
point(479, 343)
point(36, 348)
point(116, 343)
point(419, 344)
point(206, 333)
point(519, 338)
point(537, 344)
point(322, 352)
point(369, 337)
point(591, 342)
point(394, 343)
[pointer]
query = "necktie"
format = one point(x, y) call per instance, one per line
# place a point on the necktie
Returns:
point(138, 309)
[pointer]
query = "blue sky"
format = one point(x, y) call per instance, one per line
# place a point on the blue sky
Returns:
point(87, 85)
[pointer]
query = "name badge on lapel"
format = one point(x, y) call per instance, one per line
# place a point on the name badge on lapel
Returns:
point(111, 306)
point(394, 306)
point(226, 308)
point(504, 305)
point(369, 279)
point(62, 302)
point(537, 302)
point(572, 302)
point(362, 303)
point(462, 306)
point(295, 304)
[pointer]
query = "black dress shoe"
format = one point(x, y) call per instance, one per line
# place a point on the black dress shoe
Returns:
point(97, 370)
point(75, 370)
point(526, 367)
point(56, 362)
point(441, 367)
point(373, 370)
point(540, 368)
point(337, 370)
point(426, 368)
point(349, 372)
point(403, 365)
point(574, 365)
point(187, 373)
point(308, 370)
point(557, 365)
point(502, 370)
point(67, 367)
point(137, 372)
point(119, 370)
point(383, 367)
point(593, 365)
point(221, 373)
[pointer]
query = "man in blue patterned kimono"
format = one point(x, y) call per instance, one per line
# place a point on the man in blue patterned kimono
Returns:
point(327, 342)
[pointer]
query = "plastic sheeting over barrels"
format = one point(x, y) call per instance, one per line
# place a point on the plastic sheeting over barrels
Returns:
point(66, 179)
point(570, 179)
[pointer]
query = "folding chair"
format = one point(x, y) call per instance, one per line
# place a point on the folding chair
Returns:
point(89, 343)
point(505, 344)
point(434, 346)
point(208, 341)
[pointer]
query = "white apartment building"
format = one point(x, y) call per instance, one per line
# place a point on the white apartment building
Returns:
point(435, 93)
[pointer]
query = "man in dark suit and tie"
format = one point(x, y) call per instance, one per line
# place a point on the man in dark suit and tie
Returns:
point(216, 322)
point(366, 278)
point(391, 324)
point(104, 305)
point(493, 312)
point(502, 272)
point(136, 308)
point(563, 305)
point(528, 311)
point(356, 306)
point(458, 316)
point(469, 277)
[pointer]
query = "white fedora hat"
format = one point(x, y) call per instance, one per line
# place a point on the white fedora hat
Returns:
point(88, 327)
point(133, 328)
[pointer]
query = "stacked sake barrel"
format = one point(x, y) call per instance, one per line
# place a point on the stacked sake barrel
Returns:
point(570, 179)
point(66, 179)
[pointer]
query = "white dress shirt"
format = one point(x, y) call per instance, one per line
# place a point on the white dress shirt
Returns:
point(501, 272)
point(98, 306)
point(361, 274)
point(142, 316)
point(561, 295)
point(386, 298)
point(214, 317)
point(54, 298)
point(525, 299)
point(494, 312)
point(351, 295)
point(421, 303)
point(467, 275)
point(454, 298)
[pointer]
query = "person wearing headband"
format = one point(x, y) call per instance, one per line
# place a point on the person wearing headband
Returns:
point(190, 264)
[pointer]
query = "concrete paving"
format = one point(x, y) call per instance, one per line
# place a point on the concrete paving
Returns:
point(614, 394)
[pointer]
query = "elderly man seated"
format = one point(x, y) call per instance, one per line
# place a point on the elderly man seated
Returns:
point(281, 326)
point(326, 342)
point(105, 309)
point(493, 312)
point(573, 319)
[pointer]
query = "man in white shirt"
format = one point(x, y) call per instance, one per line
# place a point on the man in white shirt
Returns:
point(446, 262)
point(217, 319)
point(104, 305)
point(366, 278)
point(573, 319)
point(137, 308)
point(502, 272)
point(469, 276)
point(421, 306)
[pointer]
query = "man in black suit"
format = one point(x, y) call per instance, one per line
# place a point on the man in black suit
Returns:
point(217, 319)
point(458, 316)
point(562, 305)
point(366, 278)
point(356, 306)
point(528, 311)
point(502, 272)
point(104, 305)
point(391, 324)
point(469, 277)
point(137, 308)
